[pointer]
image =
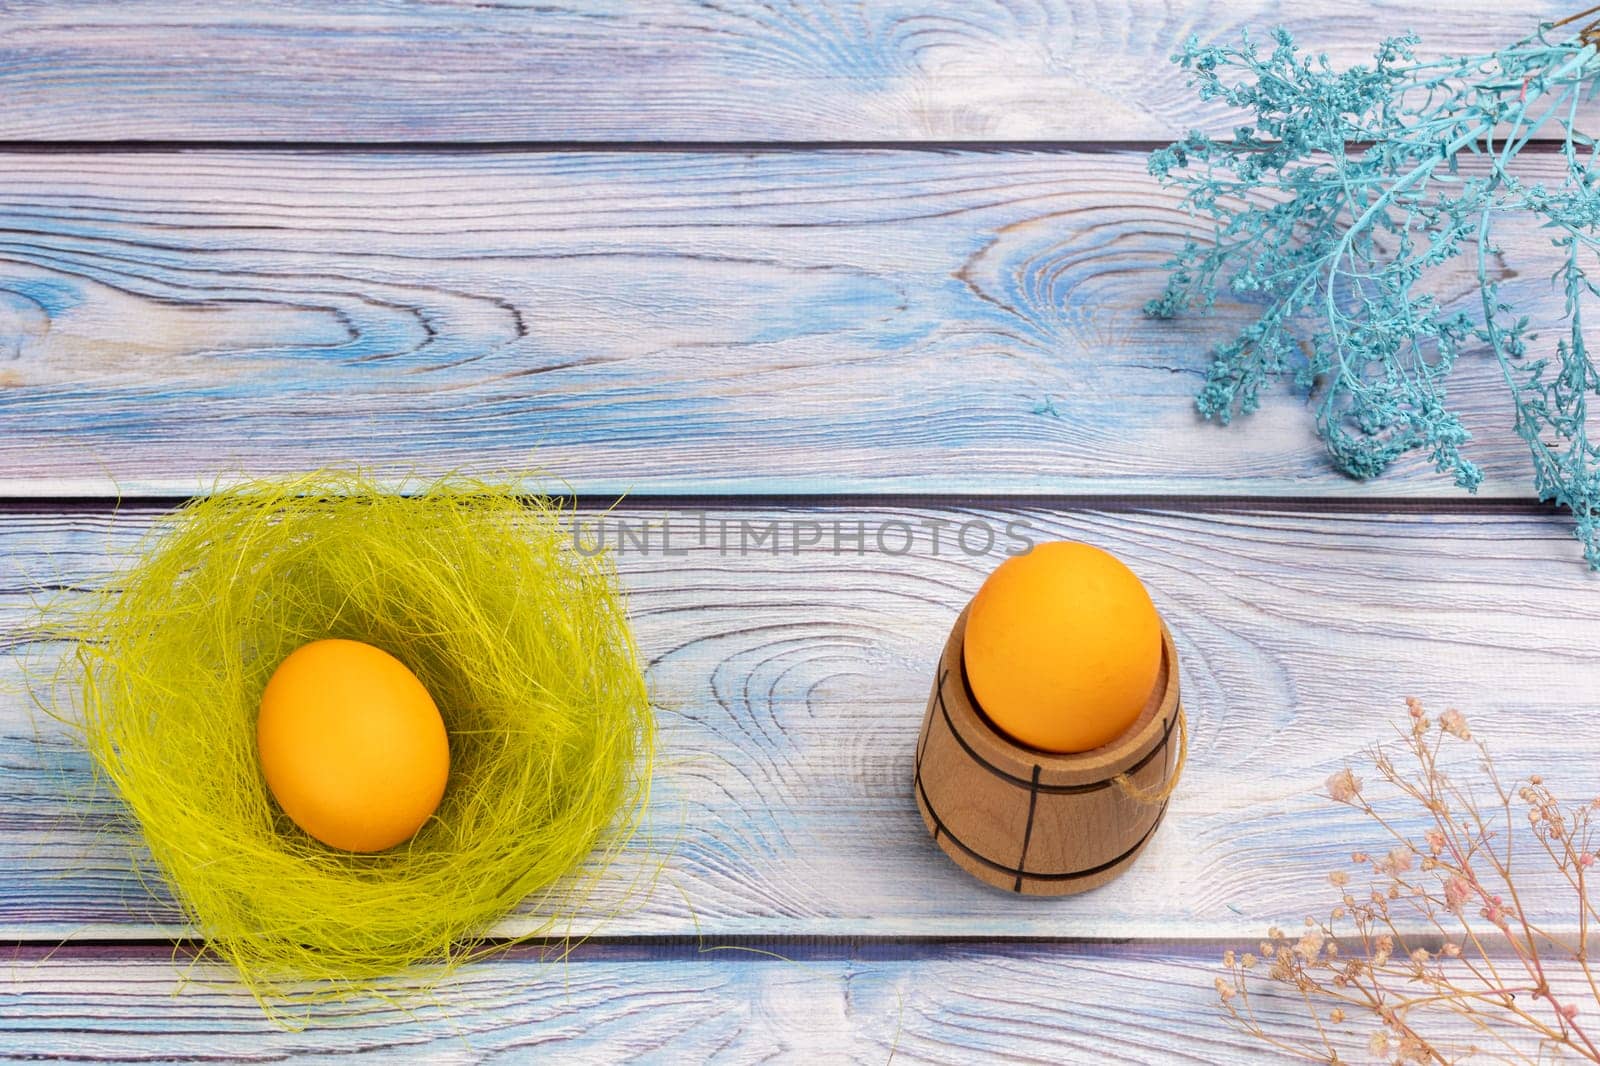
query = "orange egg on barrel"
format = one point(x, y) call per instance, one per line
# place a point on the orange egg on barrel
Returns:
point(1063, 647)
point(352, 745)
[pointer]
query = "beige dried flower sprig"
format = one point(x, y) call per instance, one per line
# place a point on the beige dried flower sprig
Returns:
point(1440, 959)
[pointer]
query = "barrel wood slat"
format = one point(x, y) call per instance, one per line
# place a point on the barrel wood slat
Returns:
point(774, 322)
point(792, 684)
point(652, 70)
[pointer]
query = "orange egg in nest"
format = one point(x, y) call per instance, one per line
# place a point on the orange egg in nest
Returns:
point(352, 745)
point(1063, 647)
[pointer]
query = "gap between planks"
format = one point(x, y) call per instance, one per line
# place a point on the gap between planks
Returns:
point(1463, 505)
point(135, 146)
point(799, 947)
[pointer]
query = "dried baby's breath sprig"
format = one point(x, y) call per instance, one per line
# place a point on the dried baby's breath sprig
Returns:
point(1440, 957)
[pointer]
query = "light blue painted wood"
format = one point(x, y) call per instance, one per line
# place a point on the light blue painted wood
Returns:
point(949, 1004)
point(643, 70)
point(879, 322)
point(792, 687)
point(804, 322)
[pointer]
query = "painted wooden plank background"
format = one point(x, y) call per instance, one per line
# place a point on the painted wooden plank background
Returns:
point(652, 70)
point(914, 1003)
point(792, 687)
point(612, 240)
point(727, 322)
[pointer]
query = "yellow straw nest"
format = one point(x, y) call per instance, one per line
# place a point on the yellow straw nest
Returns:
point(522, 641)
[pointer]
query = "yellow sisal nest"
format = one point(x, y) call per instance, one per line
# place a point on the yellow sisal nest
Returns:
point(523, 642)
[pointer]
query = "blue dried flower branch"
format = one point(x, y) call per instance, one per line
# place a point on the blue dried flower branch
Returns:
point(1333, 207)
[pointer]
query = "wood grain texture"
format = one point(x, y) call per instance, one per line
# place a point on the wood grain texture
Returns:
point(749, 70)
point(935, 1004)
point(789, 322)
point(792, 686)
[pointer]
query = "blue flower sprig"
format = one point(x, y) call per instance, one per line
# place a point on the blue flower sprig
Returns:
point(1333, 207)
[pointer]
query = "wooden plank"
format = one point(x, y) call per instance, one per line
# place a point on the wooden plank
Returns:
point(792, 687)
point(756, 70)
point(953, 1004)
point(778, 322)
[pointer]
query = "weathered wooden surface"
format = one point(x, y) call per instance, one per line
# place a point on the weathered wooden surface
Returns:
point(744, 70)
point(779, 1002)
point(755, 315)
point(792, 687)
point(793, 322)
point(922, 1005)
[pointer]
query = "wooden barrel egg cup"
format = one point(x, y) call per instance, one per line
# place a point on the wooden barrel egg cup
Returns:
point(1035, 822)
